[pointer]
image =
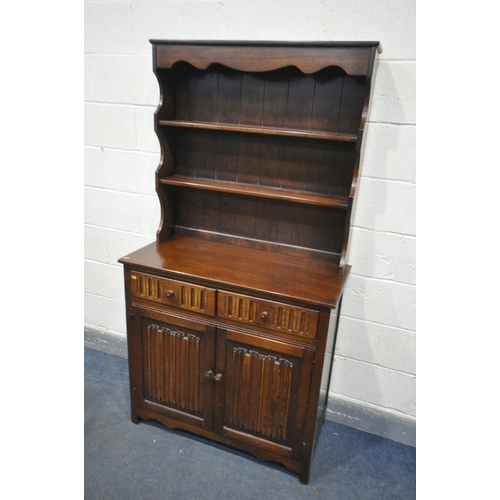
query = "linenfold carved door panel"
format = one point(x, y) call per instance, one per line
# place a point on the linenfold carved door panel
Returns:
point(177, 355)
point(242, 386)
point(263, 398)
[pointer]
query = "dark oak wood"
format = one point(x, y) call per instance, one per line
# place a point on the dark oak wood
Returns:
point(290, 132)
point(309, 58)
point(228, 312)
point(173, 292)
point(275, 275)
point(256, 190)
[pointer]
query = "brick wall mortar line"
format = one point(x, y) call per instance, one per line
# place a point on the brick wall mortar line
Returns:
point(376, 365)
point(406, 330)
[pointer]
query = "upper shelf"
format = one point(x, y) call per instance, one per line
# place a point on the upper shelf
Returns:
point(312, 134)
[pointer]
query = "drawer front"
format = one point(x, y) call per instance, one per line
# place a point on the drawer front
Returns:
point(268, 314)
point(172, 292)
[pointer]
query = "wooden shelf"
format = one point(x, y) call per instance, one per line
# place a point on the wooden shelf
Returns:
point(279, 276)
point(258, 191)
point(228, 127)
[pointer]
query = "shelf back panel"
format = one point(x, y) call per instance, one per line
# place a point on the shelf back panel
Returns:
point(308, 165)
point(326, 101)
point(274, 221)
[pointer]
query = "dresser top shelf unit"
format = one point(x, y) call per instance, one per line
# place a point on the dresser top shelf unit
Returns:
point(260, 150)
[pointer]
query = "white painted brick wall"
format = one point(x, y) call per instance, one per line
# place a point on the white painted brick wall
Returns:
point(375, 353)
point(110, 126)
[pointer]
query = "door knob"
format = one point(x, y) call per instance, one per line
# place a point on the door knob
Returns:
point(218, 377)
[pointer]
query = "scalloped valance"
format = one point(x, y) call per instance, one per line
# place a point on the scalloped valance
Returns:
point(353, 58)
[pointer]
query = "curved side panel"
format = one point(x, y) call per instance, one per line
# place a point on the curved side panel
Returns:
point(165, 229)
point(164, 110)
point(359, 143)
point(354, 61)
point(155, 71)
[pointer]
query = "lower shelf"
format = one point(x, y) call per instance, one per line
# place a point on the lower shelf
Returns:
point(277, 275)
point(257, 191)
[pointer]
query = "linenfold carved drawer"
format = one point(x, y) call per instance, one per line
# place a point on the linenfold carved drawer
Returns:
point(268, 314)
point(174, 293)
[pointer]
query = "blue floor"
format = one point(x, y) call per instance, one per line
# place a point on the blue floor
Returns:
point(125, 461)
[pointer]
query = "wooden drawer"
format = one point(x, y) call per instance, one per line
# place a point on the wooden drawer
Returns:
point(268, 314)
point(172, 292)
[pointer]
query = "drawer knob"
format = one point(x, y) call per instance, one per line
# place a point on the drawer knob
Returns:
point(264, 316)
point(209, 374)
point(218, 377)
point(170, 294)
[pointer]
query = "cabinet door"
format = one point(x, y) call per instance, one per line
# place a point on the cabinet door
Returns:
point(262, 394)
point(175, 355)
